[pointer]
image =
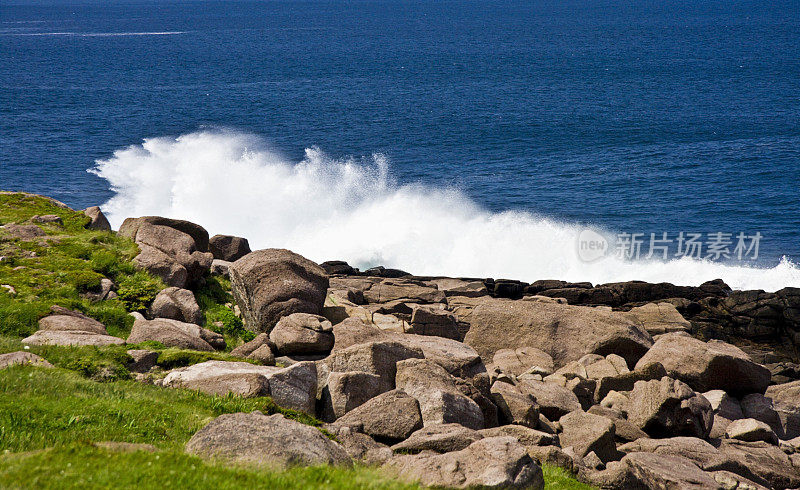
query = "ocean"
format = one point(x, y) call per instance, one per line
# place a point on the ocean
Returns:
point(471, 138)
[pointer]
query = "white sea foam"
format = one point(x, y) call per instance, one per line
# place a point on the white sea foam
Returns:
point(352, 210)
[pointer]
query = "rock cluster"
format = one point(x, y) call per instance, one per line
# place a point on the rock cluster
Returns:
point(468, 382)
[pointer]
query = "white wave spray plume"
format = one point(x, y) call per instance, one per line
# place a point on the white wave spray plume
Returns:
point(350, 209)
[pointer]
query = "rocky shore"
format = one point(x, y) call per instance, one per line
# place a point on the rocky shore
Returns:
point(460, 382)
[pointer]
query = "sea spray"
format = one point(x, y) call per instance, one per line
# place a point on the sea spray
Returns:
point(351, 209)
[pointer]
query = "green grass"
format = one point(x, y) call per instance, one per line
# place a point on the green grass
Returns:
point(65, 265)
point(212, 298)
point(87, 467)
point(42, 407)
point(556, 478)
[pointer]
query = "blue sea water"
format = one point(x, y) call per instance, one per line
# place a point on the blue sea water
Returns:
point(631, 116)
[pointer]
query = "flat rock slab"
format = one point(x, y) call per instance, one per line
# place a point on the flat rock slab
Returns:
point(22, 358)
point(564, 332)
point(69, 337)
point(266, 440)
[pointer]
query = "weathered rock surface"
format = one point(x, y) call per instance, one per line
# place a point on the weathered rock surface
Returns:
point(522, 360)
point(273, 283)
point(700, 452)
point(71, 337)
point(764, 460)
point(441, 438)
point(302, 333)
point(228, 248)
point(586, 433)
point(668, 407)
point(143, 360)
point(426, 320)
point(349, 390)
point(361, 447)
point(174, 250)
point(266, 440)
point(391, 416)
point(440, 399)
point(659, 318)
point(751, 430)
point(66, 320)
point(514, 407)
point(293, 387)
point(726, 409)
point(565, 332)
point(177, 304)
point(99, 221)
point(379, 358)
point(67, 327)
point(22, 358)
point(708, 365)
point(525, 435)
point(495, 462)
point(554, 401)
point(786, 403)
point(174, 333)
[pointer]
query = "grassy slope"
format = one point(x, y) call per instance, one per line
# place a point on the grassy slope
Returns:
point(65, 409)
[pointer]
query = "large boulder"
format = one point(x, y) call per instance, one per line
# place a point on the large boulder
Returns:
point(701, 453)
point(440, 399)
point(130, 228)
point(65, 320)
point(67, 327)
point(494, 462)
point(228, 248)
point(174, 250)
point(514, 406)
point(669, 407)
point(177, 304)
point(554, 401)
point(440, 438)
point(586, 432)
point(751, 430)
point(659, 318)
point(708, 365)
point(379, 358)
point(348, 390)
point(765, 461)
point(71, 337)
point(293, 387)
point(302, 333)
point(273, 283)
point(427, 320)
point(266, 440)
point(786, 403)
point(174, 333)
point(391, 416)
point(648, 470)
point(522, 360)
point(564, 332)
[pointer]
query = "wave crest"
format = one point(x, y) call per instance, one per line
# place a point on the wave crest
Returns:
point(351, 209)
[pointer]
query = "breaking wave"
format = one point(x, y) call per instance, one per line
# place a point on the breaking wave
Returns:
point(351, 209)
